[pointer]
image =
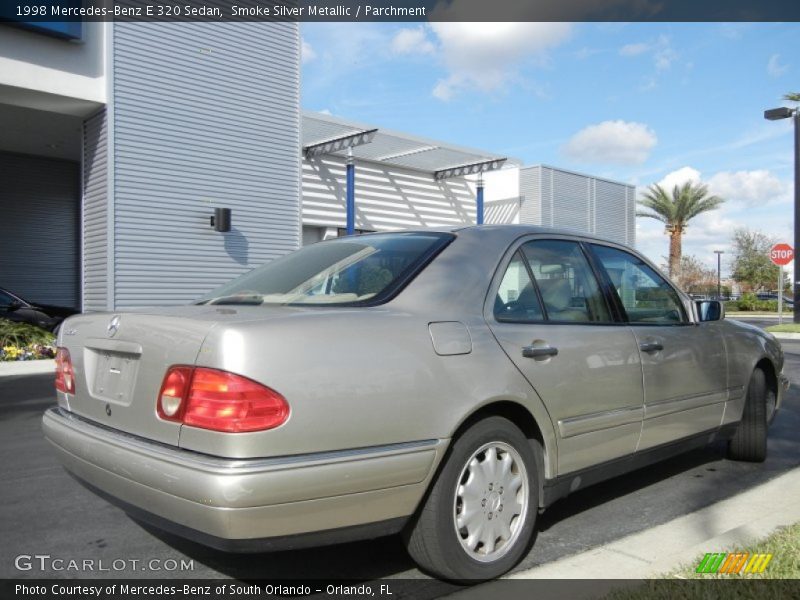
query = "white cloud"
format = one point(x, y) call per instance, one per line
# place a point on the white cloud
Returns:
point(307, 52)
point(775, 68)
point(750, 188)
point(634, 49)
point(664, 58)
point(412, 41)
point(614, 142)
point(679, 177)
point(488, 56)
point(661, 50)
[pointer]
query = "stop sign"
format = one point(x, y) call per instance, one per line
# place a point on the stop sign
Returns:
point(781, 254)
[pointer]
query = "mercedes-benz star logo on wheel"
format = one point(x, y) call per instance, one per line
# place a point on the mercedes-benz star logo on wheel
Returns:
point(113, 326)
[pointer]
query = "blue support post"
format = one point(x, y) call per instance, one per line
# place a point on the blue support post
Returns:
point(351, 195)
point(479, 201)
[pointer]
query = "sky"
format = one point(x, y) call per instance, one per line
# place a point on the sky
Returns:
point(641, 103)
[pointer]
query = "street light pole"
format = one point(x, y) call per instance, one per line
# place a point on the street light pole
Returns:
point(719, 254)
point(796, 278)
point(775, 114)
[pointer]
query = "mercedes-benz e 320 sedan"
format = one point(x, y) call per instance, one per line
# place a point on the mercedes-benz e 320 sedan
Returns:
point(448, 385)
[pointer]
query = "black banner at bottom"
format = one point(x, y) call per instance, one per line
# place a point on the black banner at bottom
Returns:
point(397, 589)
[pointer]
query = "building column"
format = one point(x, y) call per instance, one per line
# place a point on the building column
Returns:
point(479, 200)
point(351, 193)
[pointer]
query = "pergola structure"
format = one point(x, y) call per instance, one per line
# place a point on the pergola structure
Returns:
point(326, 135)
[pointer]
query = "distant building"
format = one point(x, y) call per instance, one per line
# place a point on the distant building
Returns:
point(120, 139)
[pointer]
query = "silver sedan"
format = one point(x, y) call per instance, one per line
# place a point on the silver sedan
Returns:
point(447, 385)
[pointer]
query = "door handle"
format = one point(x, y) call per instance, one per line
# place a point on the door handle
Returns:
point(539, 352)
point(651, 346)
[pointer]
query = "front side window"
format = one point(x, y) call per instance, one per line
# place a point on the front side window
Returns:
point(646, 296)
point(568, 286)
point(351, 270)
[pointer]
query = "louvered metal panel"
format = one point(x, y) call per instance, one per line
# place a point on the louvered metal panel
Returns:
point(547, 196)
point(95, 213)
point(612, 211)
point(386, 198)
point(558, 198)
point(205, 115)
point(40, 208)
point(530, 212)
point(571, 200)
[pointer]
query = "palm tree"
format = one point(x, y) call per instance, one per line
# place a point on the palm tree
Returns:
point(792, 97)
point(675, 211)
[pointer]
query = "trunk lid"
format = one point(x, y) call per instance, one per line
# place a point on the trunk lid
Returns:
point(120, 360)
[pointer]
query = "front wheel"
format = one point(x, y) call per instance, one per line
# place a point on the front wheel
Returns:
point(478, 519)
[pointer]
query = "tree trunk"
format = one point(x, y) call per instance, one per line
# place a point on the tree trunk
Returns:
point(675, 254)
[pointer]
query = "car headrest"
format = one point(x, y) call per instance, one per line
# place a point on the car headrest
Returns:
point(556, 293)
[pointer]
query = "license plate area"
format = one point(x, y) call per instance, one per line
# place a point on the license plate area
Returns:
point(114, 375)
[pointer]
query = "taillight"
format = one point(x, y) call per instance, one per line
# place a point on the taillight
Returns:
point(219, 401)
point(65, 374)
point(173, 393)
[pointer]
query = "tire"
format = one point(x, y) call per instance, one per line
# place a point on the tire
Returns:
point(451, 535)
point(750, 441)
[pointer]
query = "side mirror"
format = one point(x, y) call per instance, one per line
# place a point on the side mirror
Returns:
point(710, 310)
point(14, 305)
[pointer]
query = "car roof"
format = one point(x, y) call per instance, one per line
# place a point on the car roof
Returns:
point(501, 231)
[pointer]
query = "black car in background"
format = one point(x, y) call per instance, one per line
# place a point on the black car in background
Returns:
point(48, 317)
point(787, 301)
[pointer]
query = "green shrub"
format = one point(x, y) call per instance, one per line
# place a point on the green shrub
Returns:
point(750, 302)
point(747, 302)
point(23, 334)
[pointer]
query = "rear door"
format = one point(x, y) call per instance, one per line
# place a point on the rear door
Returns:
point(550, 317)
point(684, 364)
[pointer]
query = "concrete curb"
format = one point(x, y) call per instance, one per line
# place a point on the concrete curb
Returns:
point(27, 367)
point(743, 518)
point(785, 335)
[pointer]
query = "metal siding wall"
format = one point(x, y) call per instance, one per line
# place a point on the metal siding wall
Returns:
point(531, 193)
point(385, 198)
point(612, 208)
point(571, 203)
point(630, 220)
point(546, 196)
point(556, 198)
point(39, 204)
point(502, 212)
point(95, 212)
point(205, 115)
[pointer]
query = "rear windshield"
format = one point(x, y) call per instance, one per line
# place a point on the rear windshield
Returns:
point(358, 270)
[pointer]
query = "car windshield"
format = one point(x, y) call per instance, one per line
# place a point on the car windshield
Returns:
point(363, 269)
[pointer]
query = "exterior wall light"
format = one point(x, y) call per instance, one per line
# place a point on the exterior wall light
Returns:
point(221, 220)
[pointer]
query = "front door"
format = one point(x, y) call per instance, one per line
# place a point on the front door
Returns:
point(552, 320)
point(684, 364)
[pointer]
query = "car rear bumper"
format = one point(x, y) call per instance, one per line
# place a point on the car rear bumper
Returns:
point(236, 503)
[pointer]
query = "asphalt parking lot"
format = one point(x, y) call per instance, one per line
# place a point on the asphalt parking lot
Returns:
point(44, 511)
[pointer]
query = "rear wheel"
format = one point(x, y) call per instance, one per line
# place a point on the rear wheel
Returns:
point(750, 441)
point(478, 519)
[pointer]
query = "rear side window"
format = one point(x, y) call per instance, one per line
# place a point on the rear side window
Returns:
point(567, 284)
point(517, 300)
point(646, 296)
point(356, 270)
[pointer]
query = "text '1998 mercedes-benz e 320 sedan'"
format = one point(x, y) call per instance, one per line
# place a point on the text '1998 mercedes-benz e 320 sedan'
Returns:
point(447, 385)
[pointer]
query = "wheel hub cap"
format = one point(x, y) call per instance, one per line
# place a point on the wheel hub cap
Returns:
point(491, 501)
